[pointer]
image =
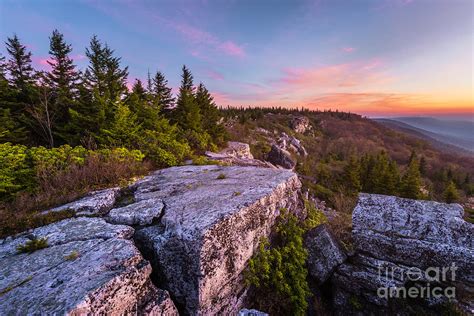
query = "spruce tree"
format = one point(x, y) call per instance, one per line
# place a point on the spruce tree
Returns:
point(210, 115)
point(161, 94)
point(19, 65)
point(352, 175)
point(411, 181)
point(62, 80)
point(451, 194)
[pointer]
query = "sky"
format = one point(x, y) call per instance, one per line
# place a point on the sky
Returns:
point(376, 58)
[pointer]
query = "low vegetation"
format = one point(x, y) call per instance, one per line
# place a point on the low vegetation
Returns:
point(32, 245)
point(277, 272)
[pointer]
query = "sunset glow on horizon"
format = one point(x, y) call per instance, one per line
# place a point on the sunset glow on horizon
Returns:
point(375, 58)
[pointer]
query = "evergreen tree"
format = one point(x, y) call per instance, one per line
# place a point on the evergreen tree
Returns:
point(411, 181)
point(19, 65)
point(451, 194)
point(210, 115)
point(188, 115)
point(352, 175)
point(392, 179)
point(21, 92)
point(123, 131)
point(161, 93)
point(62, 81)
point(104, 73)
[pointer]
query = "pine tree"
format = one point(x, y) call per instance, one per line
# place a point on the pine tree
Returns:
point(411, 181)
point(104, 73)
point(352, 175)
point(451, 194)
point(210, 115)
point(19, 65)
point(62, 80)
point(423, 166)
point(161, 93)
point(392, 179)
point(123, 130)
point(186, 114)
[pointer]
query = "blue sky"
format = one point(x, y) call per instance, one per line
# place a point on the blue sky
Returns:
point(370, 57)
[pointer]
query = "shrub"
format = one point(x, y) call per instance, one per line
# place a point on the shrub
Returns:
point(278, 273)
point(15, 172)
point(72, 256)
point(33, 245)
point(221, 176)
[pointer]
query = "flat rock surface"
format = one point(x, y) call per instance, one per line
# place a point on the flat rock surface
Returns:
point(213, 221)
point(89, 267)
point(94, 203)
point(141, 213)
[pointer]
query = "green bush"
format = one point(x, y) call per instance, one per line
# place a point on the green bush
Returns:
point(279, 273)
point(15, 171)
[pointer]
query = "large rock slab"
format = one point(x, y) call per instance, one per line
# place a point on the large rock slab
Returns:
point(94, 203)
point(141, 213)
point(89, 267)
point(414, 232)
point(213, 221)
point(324, 253)
point(407, 244)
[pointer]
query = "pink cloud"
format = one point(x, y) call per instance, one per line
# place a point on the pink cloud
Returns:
point(215, 75)
point(230, 48)
point(348, 49)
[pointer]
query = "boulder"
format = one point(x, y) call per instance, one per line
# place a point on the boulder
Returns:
point(281, 157)
point(237, 154)
point(214, 219)
point(300, 124)
point(141, 213)
point(88, 267)
point(287, 142)
point(94, 203)
point(324, 253)
point(397, 243)
point(238, 150)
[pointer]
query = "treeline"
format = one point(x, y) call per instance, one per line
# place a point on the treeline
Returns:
point(95, 109)
point(244, 114)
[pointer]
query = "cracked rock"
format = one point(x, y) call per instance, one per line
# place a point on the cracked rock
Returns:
point(89, 267)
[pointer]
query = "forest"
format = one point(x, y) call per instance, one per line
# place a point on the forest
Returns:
point(66, 131)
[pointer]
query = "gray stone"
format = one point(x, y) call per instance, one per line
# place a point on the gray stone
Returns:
point(324, 253)
point(141, 213)
point(251, 312)
point(280, 157)
point(94, 203)
point(238, 150)
point(214, 219)
point(414, 232)
point(291, 143)
point(300, 124)
point(89, 267)
point(394, 237)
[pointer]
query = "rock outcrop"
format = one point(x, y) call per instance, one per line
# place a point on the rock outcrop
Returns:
point(324, 253)
point(280, 157)
point(213, 221)
point(396, 238)
point(300, 124)
point(237, 154)
point(94, 203)
point(288, 143)
point(89, 267)
point(238, 150)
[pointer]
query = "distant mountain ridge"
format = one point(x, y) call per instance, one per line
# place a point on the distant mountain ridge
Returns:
point(444, 134)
